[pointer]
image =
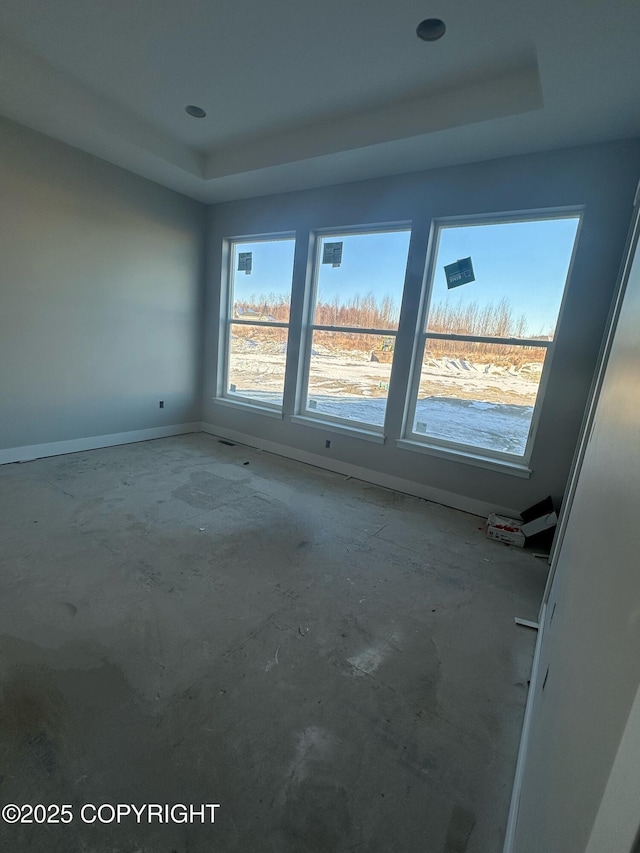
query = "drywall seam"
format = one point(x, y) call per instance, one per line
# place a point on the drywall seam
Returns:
point(388, 481)
point(76, 445)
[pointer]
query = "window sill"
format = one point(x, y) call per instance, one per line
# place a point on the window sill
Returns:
point(354, 431)
point(244, 405)
point(504, 466)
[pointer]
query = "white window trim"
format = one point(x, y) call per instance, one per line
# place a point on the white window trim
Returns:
point(474, 451)
point(259, 407)
point(303, 414)
point(227, 320)
point(483, 457)
point(467, 455)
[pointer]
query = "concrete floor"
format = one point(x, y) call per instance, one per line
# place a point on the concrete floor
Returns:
point(182, 621)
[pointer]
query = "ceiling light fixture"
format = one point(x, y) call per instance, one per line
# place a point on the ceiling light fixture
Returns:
point(196, 112)
point(431, 29)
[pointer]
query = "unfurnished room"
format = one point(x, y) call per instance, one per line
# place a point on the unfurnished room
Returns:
point(319, 427)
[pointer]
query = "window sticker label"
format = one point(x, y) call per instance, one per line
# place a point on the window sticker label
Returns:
point(459, 272)
point(245, 262)
point(332, 254)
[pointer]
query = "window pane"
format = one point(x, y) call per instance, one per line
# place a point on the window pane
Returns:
point(363, 288)
point(262, 292)
point(349, 376)
point(520, 271)
point(479, 394)
point(257, 362)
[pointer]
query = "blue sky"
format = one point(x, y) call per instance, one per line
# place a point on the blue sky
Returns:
point(272, 270)
point(526, 262)
point(370, 262)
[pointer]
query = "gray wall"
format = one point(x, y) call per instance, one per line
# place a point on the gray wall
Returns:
point(601, 177)
point(100, 287)
point(590, 653)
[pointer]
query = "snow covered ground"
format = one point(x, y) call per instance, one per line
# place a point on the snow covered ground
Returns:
point(483, 405)
point(492, 426)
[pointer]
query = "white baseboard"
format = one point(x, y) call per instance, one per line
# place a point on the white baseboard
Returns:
point(512, 821)
point(94, 442)
point(388, 481)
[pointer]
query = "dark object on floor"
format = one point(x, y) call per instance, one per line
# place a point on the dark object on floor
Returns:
point(539, 524)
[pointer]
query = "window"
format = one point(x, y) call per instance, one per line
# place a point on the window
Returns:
point(353, 323)
point(258, 305)
point(487, 330)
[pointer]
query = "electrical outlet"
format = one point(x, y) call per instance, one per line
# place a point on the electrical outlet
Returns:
point(162, 404)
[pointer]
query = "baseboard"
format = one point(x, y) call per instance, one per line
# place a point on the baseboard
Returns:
point(388, 481)
point(512, 820)
point(94, 442)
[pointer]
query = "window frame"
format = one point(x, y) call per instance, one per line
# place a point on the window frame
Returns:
point(225, 395)
point(303, 414)
point(484, 457)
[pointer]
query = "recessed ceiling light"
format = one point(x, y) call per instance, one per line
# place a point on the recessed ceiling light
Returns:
point(196, 112)
point(431, 29)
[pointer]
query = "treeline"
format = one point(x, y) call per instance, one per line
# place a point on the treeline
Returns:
point(272, 305)
point(493, 320)
point(364, 311)
point(369, 312)
point(359, 311)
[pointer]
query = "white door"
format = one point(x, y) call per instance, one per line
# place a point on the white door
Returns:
point(577, 790)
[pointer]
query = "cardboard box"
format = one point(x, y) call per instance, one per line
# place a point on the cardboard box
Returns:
point(503, 529)
point(536, 529)
point(541, 516)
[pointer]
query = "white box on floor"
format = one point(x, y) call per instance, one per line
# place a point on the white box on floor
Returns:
point(504, 529)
